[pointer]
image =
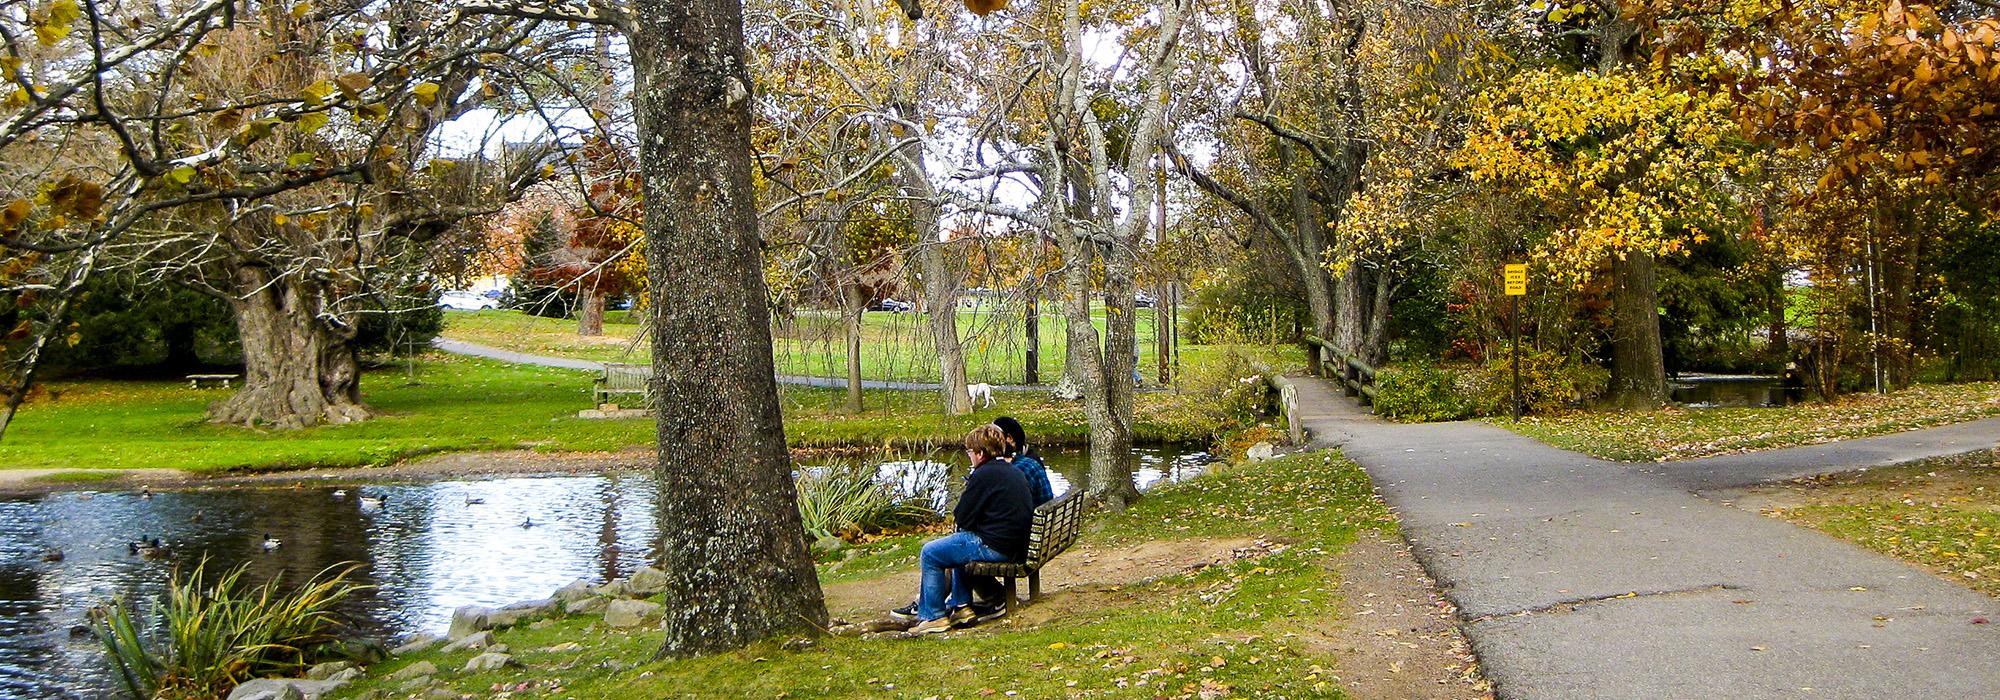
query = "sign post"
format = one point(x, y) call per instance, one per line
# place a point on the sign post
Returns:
point(1516, 275)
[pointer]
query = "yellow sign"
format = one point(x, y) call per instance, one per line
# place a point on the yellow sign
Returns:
point(1517, 279)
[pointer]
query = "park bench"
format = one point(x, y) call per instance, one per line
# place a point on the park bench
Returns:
point(195, 381)
point(621, 379)
point(1055, 529)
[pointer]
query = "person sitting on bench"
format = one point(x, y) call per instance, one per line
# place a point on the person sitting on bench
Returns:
point(994, 514)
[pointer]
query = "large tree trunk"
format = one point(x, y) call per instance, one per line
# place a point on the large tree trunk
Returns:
point(1381, 302)
point(1110, 400)
point(1638, 366)
point(733, 546)
point(590, 314)
point(1350, 320)
point(1638, 369)
point(1091, 366)
point(299, 369)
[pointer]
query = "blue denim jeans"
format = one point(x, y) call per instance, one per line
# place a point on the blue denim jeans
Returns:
point(944, 586)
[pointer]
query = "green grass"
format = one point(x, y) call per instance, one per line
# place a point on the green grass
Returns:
point(1674, 433)
point(464, 404)
point(895, 346)
point(1239, 629)
point(458, 405)
point(1943, 515)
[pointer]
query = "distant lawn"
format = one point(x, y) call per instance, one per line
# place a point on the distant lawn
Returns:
point(1675, 433)
point(459, 405)
point(895, 346)
point(1943, 515)
point(465, 404)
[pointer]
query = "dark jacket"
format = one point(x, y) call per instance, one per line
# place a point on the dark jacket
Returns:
point(996, 506)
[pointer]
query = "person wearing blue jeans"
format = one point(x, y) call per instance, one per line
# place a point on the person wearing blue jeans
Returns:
point(993, 513)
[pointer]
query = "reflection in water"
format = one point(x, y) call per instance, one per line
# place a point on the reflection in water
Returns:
point(1733, 392)
point(937, 483)
point(429, 548)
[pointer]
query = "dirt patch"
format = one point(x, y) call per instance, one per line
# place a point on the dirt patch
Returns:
point(1399, 638)
point(1079, 580)
point(32, 481)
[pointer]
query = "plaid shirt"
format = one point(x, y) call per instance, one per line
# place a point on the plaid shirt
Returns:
point(1039, 490)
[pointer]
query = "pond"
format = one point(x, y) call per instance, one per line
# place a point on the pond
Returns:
point(1731, 391)
point(430, 547)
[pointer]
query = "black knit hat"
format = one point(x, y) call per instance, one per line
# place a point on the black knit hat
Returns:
point(1012, 428)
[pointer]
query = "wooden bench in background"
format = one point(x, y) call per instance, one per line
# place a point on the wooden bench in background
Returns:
point(195, 381)
point(1057, 524)
point(621, 379)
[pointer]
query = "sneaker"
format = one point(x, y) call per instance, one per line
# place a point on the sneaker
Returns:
point(986, 612)
point(962, 615)
point(907, 613)
point(942, 624)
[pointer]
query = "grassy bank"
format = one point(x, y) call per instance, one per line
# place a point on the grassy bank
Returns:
point(1670, 434)
point(462, 404)
point(895, 346)
point(1943, 515)
point(1246, 628)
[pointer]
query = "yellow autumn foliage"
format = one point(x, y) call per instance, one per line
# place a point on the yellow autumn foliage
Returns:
point(1620, 164)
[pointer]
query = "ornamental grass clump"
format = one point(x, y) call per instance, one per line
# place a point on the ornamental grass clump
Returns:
point(845, 501)
point(207, 637)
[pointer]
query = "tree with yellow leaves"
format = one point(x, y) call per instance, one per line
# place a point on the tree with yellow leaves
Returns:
point(1622, 170)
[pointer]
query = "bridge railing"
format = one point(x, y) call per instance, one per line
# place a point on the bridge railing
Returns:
point(1357, 378)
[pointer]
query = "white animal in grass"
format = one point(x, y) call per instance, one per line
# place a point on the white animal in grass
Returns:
point(980, 392)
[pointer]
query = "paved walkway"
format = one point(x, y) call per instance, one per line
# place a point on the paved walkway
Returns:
point(460, 347)
point(1579, 577)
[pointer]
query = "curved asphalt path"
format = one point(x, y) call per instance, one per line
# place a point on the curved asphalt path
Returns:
point(1582, 578)
point(460, 347)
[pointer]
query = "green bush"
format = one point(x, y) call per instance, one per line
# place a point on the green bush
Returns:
point(1241, 305)
point(404, 330)
point(1218, 395)
point(211, 638)
point(1421, 395)
point(1549, 383)
point(118, 322)
point(845, 501)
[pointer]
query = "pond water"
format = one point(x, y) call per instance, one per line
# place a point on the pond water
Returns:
point(426, 545)
point(1695, 391)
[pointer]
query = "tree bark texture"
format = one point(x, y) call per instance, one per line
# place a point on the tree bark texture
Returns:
point(1111, 476)
point(1031, 372)
point(1638, 368)
point(855, 302)
point(1900, 259)
point(733, 546)
point(590, 314)
point(940, 282)
point(299, 367)
point(941, 309)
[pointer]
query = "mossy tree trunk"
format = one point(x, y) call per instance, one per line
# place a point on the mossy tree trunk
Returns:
point(733, 547)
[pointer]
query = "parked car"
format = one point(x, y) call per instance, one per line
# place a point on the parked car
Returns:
point(1144, 301)
point(468, 301)
point(892, 304)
